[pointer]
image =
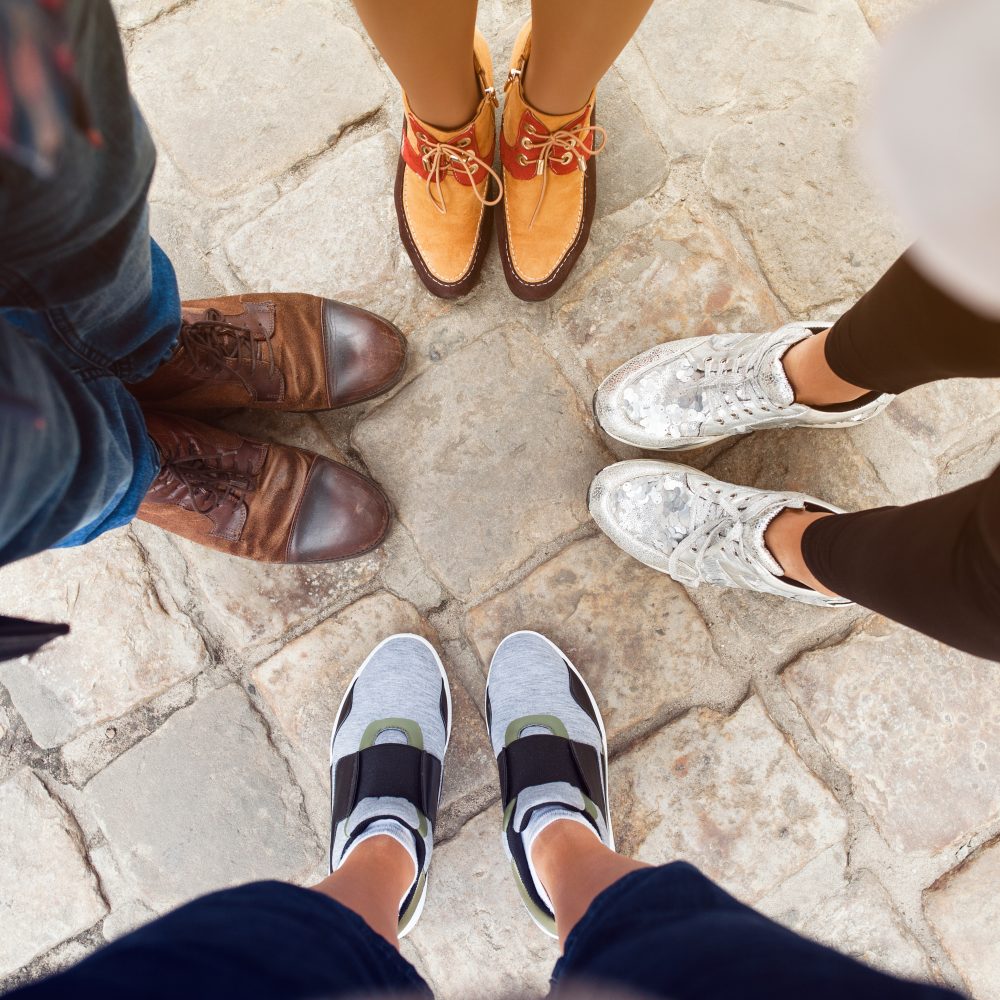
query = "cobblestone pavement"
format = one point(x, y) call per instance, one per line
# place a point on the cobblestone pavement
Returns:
point(835, 770)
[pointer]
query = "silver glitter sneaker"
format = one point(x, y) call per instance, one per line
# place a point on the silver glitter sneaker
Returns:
point(697, 529)
point(689, 393)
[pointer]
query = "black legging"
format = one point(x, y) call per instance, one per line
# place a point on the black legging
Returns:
point(933, 565)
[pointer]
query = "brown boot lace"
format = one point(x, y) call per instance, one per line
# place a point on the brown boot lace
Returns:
point(561, 146)
point(440, 158)
point(211, 344)
point(207, 483)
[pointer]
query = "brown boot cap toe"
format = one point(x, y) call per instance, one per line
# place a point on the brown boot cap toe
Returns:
point(341, 514)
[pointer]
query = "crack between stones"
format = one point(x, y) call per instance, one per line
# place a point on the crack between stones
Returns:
point(79, 838)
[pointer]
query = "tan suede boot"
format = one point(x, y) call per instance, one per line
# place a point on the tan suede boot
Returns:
point(446, 189)
point(550, 186)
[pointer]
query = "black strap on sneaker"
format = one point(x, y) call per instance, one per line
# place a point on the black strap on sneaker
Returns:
point(544, 758)
point(390, 770)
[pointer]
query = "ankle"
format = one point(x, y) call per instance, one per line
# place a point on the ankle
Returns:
point(447, 108)
point(371, 882)
point(783, 539)
point(385, 855)
point(812, 379)
point(550, 95)
point(562, 844)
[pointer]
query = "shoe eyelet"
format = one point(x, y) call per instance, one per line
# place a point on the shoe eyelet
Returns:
point(463, 143)
point(526, 143)
point(425, 150)
point(566, 159)
point(530, 129)
point(522, 159)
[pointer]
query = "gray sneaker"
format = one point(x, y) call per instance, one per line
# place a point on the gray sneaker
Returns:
point(552, 754)
point(689, 393)
point(697, 529)
point(386, 756)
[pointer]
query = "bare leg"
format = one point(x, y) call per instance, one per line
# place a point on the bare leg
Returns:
point(428, 46)
point(573, 43)
point(783, 538)
point(575, 868)
point(813, 380)
point(371, 882)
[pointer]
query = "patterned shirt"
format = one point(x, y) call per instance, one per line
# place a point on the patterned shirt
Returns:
point(40, 97)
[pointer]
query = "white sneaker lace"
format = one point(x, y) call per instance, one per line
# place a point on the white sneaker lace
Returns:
point(734, 384)
point(718, 533)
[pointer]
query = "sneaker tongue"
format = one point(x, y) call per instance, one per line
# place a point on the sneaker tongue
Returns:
point(772, 378)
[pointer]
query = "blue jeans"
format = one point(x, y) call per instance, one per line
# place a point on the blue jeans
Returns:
point(665, 933)
point(87, 303)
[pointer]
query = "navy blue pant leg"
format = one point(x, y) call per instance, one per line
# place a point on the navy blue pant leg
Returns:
point(670, 932)
point(263, 941)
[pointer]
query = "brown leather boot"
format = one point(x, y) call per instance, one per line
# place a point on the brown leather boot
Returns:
point(267, 502)
point(276, 352)
point(443, 199)
point(550, 186)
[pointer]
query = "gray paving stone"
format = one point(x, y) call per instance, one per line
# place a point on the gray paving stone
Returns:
point(720, 63)
point(964, 910)
point(680, 276)
point(173, 229)
point(202, 804)
point(199, 76)
point(632, 632)
point(486, 456)
point(820, 232)
point(47, 892)
point(255, 603)
point(727, 794)
point(942, 417)
point(914, 724)
point(303, 684)
point(332, 235)
point(475, 938)
point(129, 639)
point(634, 162)
point(405, 572)
point(852, 914)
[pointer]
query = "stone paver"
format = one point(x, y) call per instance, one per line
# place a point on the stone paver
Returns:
point(47, 892)
point(479, 486)
point(303, 685)
point(915, 725)
point(728, 795)
point(268, 56)
point(852, 914)
point(313, 237)
point(964, 909)
point(839, 229)
point(692, 281)
point(632, 632)
point(129, 639)
point(201, 804)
